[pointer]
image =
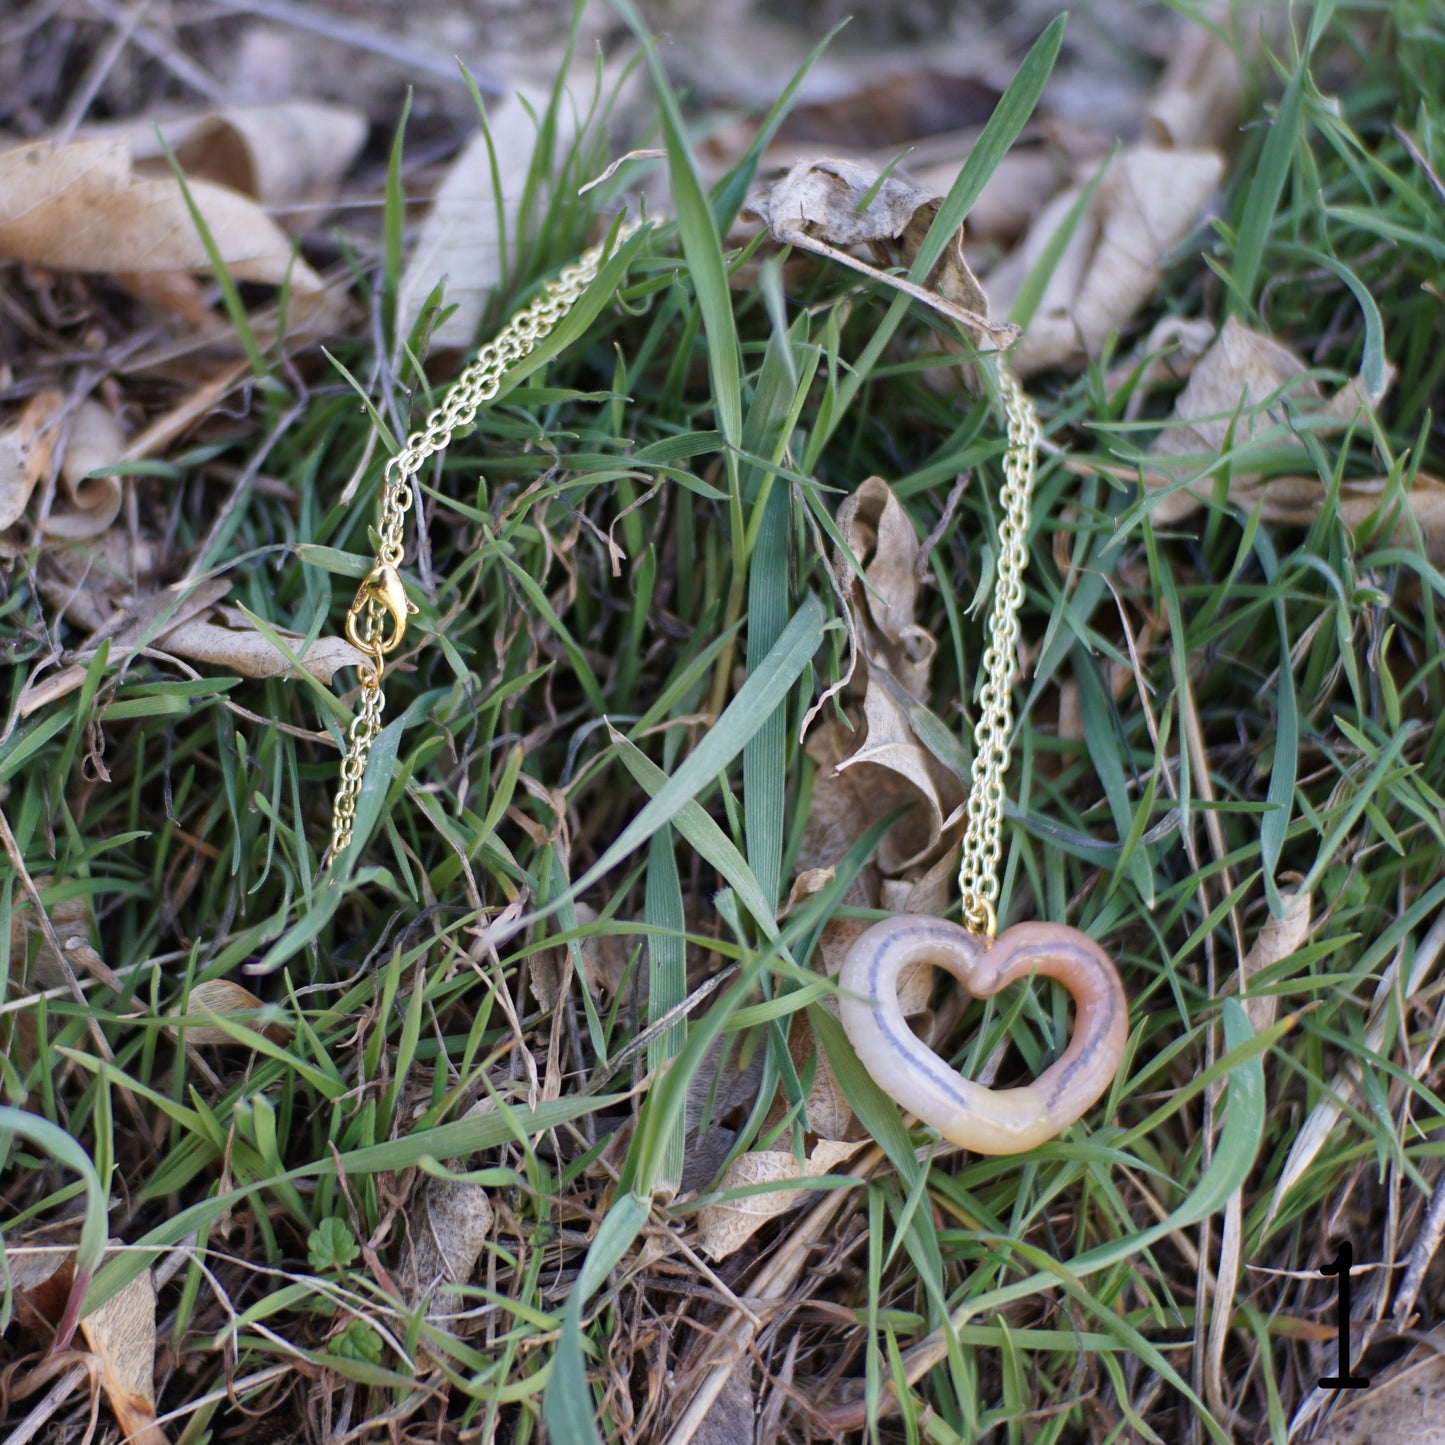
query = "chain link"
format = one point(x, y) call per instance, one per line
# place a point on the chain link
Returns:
point(376, 621)
point(983, 836)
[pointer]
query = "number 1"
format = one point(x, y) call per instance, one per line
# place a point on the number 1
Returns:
point(1340, 1265)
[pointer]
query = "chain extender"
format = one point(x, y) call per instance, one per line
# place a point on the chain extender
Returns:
point(376, 620)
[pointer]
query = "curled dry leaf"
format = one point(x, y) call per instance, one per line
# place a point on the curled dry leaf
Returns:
point(725, 1228)
point(895, 770)
point(882, 603)
point(222, 996)
point(1197, 100)
point(1147, 202)
point(293, 153)
point(122, 1335)
point(862, 777)
point(890, 766)
point(93, 440)
point(1277, 940)
point(82, 207)
point(828, 206)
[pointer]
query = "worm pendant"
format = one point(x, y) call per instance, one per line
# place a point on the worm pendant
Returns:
point(988, 1121)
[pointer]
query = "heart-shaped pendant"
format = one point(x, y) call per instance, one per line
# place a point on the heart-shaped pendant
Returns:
point(988, 1121)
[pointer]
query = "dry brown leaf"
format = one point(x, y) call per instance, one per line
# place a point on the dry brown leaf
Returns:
point(725, 1228)
point(893, 769)
point(882, 604)
point(448, 1233)
point(228, 639)
point(27, 447)
point(818, 206)
point(82, 207)
point(459, 241)
point(292, 153)
point(222, 996)
point(1226, 391)
point(1197, 100)
point(1230, 384)
point(1226, 394)
point(40, 1276)
point(1148, 201)
point(1278, 939)
point(96, 588)
point(888, 767)
point(122, 1334)
point(93, 439)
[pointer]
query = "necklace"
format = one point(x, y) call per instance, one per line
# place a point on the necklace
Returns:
point(986, 1120)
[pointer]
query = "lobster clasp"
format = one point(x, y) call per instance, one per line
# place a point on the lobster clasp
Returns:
point(382, 589)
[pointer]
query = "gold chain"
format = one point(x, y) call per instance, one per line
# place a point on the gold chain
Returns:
point(376, 621)
point(983, 837)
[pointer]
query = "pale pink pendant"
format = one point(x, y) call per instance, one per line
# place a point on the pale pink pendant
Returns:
point(988, 1121)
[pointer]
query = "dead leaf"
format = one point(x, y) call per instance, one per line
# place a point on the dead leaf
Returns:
point(449, 1233)
point(1197, 99)
point(1278, 939)
point(27, 447)
point(222, 996)
point(93, 439)
point(893, 769)
point(40, 1276)
point(1227, 394)
point(293, 153)
point(883, 602)
point(228, 639)
point(1149, 199)
point(725, 1228)
point(1238, 388)
point(819, 206)
point(122, 1335)
point(82, 207)
point(459, 241)
point(448, 1236)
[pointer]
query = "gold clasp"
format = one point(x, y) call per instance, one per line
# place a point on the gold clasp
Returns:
point(383, 589)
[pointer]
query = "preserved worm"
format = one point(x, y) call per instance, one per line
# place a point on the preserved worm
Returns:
point(988, 1121)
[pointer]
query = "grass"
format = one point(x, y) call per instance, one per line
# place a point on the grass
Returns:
point(1256, 704)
